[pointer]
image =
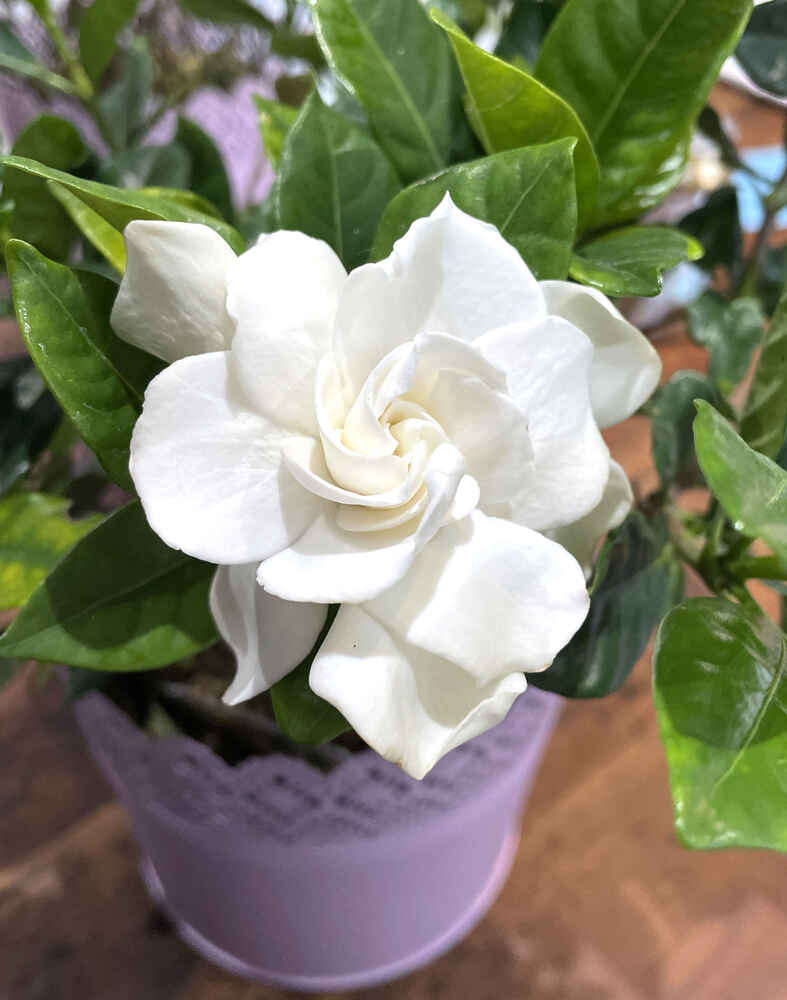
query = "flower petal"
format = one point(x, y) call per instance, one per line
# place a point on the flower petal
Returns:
point(489, 595)
point(488, 428)
point(450, 273)
point(548, 367)
point(329, 565)
point(626, 368)
point(209, 472)
point(581, 537)
point(410, 706)
point(172, 298)
point(283, 294)
point(269, 637)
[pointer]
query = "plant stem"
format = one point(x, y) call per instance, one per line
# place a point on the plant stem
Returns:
point(76, 70)
point(773, 204)
point(261, 735)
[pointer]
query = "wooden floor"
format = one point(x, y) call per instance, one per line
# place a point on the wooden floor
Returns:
point(603, 904)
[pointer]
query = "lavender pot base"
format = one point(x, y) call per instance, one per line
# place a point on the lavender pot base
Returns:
point(320, 882)
point(361, 979)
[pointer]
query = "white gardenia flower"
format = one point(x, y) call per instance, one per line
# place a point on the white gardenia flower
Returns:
point(399, 441)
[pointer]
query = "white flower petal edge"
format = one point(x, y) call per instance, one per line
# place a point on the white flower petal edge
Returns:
point(172, 299)
point(581, 537)
point(626, 368)
point(411, 706)
point(282, 295)
point(548, 365)
point(329, 564)
point(490, 596)
point(450, 273)
point(269, 637)
point(210, 472)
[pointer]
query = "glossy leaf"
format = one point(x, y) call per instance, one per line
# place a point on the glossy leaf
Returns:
point(642, 580)
point(717, 226)
point(36, 216)
point(399, 66)
point(104, 237)
point(508, 109)
point(334, 182)
point(671, 410)
point(35, 531)
point(638, 72)
point(751, 488)
point(720, 692)
point(235, 12)
point(275, 121)
point(29, 416)
point(101, 23)
point(16, 59)
point(208, 176)
point(525, 29)
point(119, 600)
point(303, 715)
point(122, 106)
point(119, 207)
point(764, 424)
point(762, 49)
point(98, 379)
point(729, 331)
point(630, 261)
point(527, 193)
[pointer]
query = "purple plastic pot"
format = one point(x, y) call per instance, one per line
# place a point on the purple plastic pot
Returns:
point(313, 881)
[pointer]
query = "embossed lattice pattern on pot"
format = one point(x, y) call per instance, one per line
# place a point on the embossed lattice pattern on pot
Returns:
point(285, 799)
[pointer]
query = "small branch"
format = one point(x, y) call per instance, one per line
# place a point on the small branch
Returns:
point(261, 735)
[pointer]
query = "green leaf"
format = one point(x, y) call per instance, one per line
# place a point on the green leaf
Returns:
point(122, 106)
point(275, 121)
point(37, 217)
point(295, 45)
point(527, 193)
point(643, 579)
point(303, 715)
point(258, 219)
point(334, 182)
point(508, 108)
point(638, 72)
point(400, 67)
point(119, 207)
point(762, 49)
point(228, 12)
point(35, 532)
point(98, 379)
point(29, 417)
point(119, 600)
point(764, 424)
point(104, 237)
point(630, 261)
point(719, 687)
point(101, 23)
point(729, 331)
point(16, 59)
point(525, 29)
point(717, 226)
point(167, 166)
point(671, 410)
point(751, 488)
point(8, 670)
point(208, 175)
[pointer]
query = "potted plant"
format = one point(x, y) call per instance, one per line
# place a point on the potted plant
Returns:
point(361, 442)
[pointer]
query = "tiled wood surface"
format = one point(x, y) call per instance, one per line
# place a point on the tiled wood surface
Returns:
point(602, 904)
